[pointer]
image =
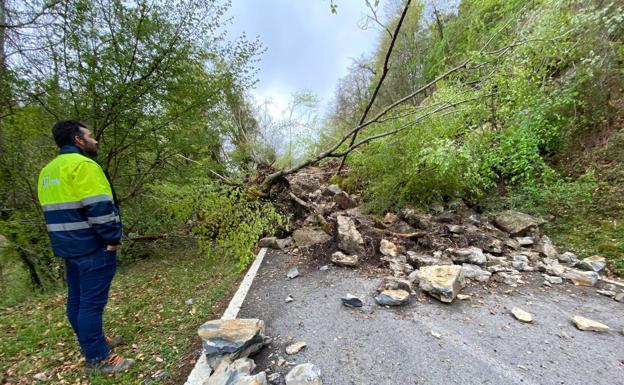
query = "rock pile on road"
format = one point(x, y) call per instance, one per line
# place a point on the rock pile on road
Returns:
point(228, 345)
point(439, 253)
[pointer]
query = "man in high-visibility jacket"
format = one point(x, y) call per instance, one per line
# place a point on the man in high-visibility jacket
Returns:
point(83, 223)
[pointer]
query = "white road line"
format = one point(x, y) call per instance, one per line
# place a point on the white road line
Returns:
point(201, 370)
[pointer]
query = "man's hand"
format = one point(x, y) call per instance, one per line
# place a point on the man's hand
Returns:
point(111, 248)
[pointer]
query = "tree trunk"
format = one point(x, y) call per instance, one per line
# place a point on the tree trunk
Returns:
point(32, 271)
point(3, 72)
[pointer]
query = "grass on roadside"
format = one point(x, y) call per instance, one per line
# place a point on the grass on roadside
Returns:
point(147, 307)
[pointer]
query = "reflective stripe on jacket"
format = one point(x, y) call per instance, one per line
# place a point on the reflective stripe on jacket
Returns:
point(78, 205)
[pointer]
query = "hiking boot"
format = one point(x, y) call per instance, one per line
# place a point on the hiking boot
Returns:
point(115, 341)
point(113, 364)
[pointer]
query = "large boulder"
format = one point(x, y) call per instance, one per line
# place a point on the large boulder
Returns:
point(516, 223)
point(304, 374)
point(310, 236)
point(442, 282)
point(236, 373)
point(349, 239)
point(236, 338)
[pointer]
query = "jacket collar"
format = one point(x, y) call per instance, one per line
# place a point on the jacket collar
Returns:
point(71, 149)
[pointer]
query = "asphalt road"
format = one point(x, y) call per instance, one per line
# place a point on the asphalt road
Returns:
point(480, 342)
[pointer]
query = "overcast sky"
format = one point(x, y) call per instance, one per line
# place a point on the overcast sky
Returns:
point(307, 47)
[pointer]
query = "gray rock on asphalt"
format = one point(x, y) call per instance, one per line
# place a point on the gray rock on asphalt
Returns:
point(292, 273)
point(587, 324)
point(350, 300)
point(393, 298)
point(295, 347)
point(522, 315)
point(304, 374)
point(442, 282)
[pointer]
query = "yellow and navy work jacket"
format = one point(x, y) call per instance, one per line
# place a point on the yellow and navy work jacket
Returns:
point(78, 205)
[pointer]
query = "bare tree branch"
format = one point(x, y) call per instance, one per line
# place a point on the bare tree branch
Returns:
point(384, 73)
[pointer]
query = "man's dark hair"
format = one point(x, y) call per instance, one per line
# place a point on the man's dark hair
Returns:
point(65, 131)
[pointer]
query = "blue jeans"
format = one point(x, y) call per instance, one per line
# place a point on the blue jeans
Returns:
point(88, 282)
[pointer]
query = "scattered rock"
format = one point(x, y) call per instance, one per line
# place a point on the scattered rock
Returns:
point(456, 229)
point(394, 283)
point(236, 373)
point(292, 273)
point(593, 263)
point(40, 377)
point(390, 218)
point(340, 259)
point(289, 299)
point(463, 297)
point(344, 201)
point(350, 300)
point(508, 279)
point(586, 324)
point(520, 262)
point(274, 378)
point(552, 279)
point(189, 301)
point(401, 227)
point(525, 241)
point(237, 337)
point(419, 260)
point(436, 334)
point(475, 272)
point(332, 189)
point(442, 282)
point(522, 315)
point(579, 277)
point(445, 217)
point(516, 223)
point(471, 254)
point(547, 249)
point(304, 374)
point(295, 348)
point(606, 293)
point(310, 236)
point(393, 298)
point(568, 257)
point(388, 248)
point(269, 242)
point(324, 268)
point(619, 297)
point(349, 239)
point(414, 218)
